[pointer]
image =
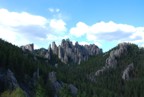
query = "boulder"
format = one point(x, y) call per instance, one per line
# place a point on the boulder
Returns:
point(73, 89)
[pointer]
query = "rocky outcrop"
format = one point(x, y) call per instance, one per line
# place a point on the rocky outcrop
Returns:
point(10, 80)
point(52, 77)
point(128, 72)
point(29, 47)
point(111, 61)
point(35, 77)
point(54, 48)
point(56, 86)
point(69, 53)
point(73, 89)
point(44, 52)
point(48, 53)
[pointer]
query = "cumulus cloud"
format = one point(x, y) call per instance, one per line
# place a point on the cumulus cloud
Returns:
point(80, 29)
point(58, 25)
point(22, 27)
point(109, 31)
point(15, 19)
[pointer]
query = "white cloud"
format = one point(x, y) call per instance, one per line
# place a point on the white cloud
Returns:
point(110, 27)
point(58, 25)
point(80, 29)
point(22, 27)
point(91, 37)
point(109, 31)
point(14, 19)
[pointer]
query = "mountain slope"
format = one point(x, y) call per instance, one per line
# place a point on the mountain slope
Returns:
point(33, 73)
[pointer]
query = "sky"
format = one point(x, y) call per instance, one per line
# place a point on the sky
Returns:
point(105, 23)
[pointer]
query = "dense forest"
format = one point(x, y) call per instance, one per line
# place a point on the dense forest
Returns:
point(26, 74)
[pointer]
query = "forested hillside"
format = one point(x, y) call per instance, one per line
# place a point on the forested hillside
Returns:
point(116, 73)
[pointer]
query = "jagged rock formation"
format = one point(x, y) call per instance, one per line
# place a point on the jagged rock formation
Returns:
point(128, 72)
point(29, 47)
point(67, 52)
point(56, 86)
point(54, 48)
point(111, 61)
point(45, 53)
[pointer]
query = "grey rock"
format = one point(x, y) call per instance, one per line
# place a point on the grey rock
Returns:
point(65, 60)
point(44, 52)
point(73, 89)
point(128, 72)
point(60, 53)
point(54, 48)
point(58, 85)
point(67, 52)
point(10, 80)
point(48, 53)
point(52, 77)
point(93, 49)
point(35, 77)
point(55, 84)
point(56, 65)
point(111, 61)
point(29, 47)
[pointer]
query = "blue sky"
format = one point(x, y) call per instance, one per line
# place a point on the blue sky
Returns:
point(102, 22)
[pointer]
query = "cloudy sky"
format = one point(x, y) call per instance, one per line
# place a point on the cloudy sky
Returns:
point(102, 22)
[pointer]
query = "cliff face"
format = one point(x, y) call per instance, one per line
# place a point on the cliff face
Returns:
point(69, 53)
